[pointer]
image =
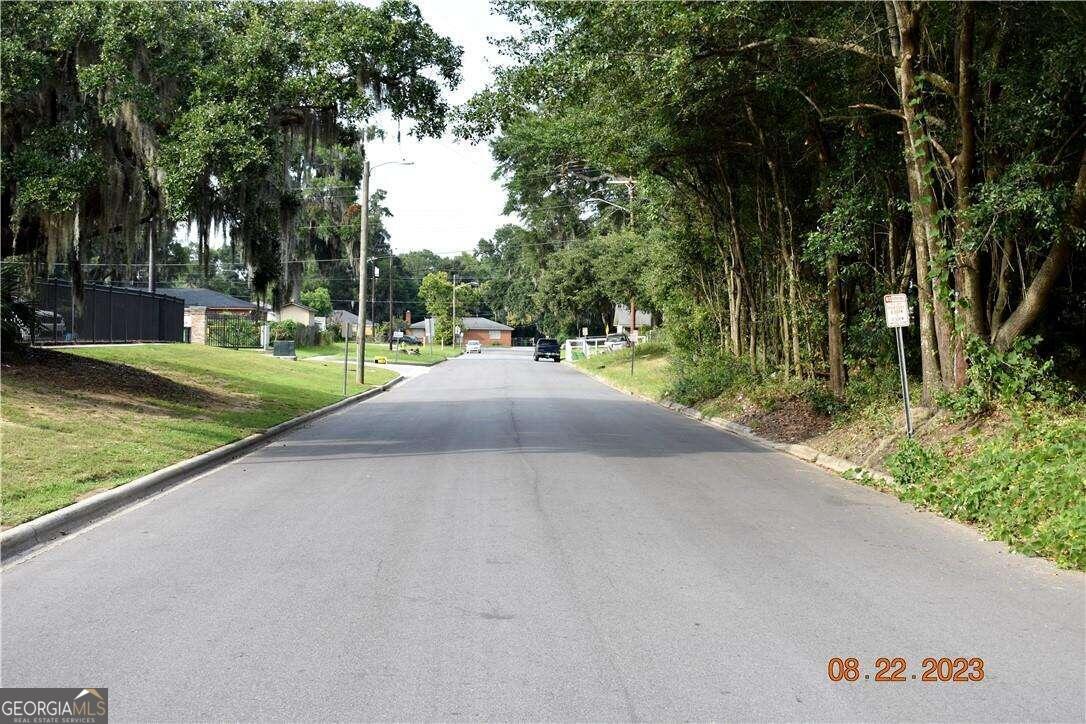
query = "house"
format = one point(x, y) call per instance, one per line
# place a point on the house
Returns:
point(296, 312)
point(622, 320)
point(418, 329)
point(348, 323)
point(202, 303)
point(486, 331)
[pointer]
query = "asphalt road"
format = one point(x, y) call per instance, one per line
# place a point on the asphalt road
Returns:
point(501, 539)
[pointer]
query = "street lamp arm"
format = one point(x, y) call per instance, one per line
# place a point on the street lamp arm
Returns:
point(392, 163)
point(609, 203)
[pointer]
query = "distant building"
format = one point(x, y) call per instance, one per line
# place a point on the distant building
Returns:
point(202, 303)
point(622, 320)
point(348, 323)
point(485, 331)
point(296, 312)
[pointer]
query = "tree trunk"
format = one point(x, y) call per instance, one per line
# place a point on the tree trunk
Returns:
point(1037, 294)
point(835, 355)
point(971, 295)
point(934, 342)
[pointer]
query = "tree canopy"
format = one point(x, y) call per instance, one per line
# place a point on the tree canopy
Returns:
point(121, 119)
point(791, 163)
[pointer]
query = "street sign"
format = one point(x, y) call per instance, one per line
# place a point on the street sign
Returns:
point(897, 317)
point(376, 271)
point(584, 331)
point(897, 310)
point(429, 326)
point(397, 334)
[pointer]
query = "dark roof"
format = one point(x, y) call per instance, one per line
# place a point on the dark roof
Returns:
point(343, 316)
point(199, 297)
point(483, 323)
point(479, 323)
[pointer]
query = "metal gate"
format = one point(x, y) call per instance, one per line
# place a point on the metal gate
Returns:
point(108, 314)
point(233, 330)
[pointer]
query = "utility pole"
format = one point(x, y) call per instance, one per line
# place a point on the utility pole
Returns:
point(454, 310)
point(150, 256)
point(360, 374)
point(390, 326)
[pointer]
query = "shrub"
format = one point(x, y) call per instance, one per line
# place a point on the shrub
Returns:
point(822, 400)
point(234, 331)
point(703, 377)
point(331, 335)
point(286, 330)
point(1015, 376)
point(16, 316)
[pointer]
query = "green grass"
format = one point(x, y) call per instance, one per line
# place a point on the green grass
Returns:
point(1024, 485)
point(380, 349)
point(67, 434)
point(651, 375)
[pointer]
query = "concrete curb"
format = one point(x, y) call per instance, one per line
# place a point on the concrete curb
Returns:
point(23, 538)
point(806, 453)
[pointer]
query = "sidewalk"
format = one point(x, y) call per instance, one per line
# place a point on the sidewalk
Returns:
point(405, 371)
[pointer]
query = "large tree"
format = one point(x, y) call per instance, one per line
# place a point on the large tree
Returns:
point(796, 161)
point(121, 118)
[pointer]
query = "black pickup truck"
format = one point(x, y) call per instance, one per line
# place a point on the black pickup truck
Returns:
point(547, 349)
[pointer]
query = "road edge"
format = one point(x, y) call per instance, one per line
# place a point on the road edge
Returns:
point(842, 467)
point(26, 537)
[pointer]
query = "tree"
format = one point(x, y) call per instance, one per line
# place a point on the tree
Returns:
point(120, 119)
point(436, 292)
point(795, 162)
point(319, 300)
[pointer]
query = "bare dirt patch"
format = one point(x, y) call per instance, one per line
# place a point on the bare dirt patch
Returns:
point(790, 420)
point(50, 370)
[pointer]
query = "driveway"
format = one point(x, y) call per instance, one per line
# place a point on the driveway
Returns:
point(503, 539)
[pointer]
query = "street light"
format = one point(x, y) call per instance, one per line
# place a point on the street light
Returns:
point(360, 374)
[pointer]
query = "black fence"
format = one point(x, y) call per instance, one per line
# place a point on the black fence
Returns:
point(233, 330)
point(109, 314)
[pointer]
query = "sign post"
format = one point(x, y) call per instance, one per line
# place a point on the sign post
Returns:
point(897, 318)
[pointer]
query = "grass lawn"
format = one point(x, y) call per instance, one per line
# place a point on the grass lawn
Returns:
point(89, 419)
point(650, 377)
point(380, 349)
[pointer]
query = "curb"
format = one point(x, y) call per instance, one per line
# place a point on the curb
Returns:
point(834, 464)
point(21, 539)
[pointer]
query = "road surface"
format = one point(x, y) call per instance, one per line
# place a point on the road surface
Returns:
point(503, 539)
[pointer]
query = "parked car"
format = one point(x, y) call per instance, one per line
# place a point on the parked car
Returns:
point(616, 341)
point(547, 349)
point(473, 345)
point(413, 341)
point(48, 326)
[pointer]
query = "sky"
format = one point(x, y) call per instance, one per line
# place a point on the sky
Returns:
point(447, 200)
